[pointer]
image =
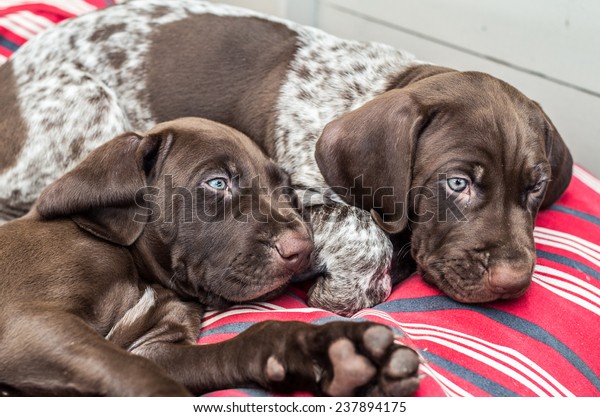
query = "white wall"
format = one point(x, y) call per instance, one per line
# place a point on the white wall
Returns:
point(549, 49)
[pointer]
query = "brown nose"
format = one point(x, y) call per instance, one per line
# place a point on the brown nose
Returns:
point(507, 280)
point(294, 250)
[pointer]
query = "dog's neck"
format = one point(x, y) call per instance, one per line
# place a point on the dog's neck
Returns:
point(155, 263)
point(152, 258)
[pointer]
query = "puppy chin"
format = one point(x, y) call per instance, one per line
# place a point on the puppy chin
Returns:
point(218, 301)
point(251, 291)
point(475, 293)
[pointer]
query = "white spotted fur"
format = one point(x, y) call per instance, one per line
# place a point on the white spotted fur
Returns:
point(85, 97)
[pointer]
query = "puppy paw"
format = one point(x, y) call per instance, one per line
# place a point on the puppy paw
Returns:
point(343, 359)
point(371, 365)
point(347, 293)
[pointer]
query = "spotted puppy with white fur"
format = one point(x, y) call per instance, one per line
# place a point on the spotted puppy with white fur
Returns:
point(371, 121)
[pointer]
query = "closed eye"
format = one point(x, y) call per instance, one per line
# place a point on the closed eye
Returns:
point(538, 187)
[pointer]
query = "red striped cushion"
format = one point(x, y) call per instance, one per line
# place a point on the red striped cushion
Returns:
point(543, 344)
point(20, 20)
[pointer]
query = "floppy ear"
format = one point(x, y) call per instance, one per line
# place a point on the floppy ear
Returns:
point(560, 160)
point(99, 193)
point(368, 153)
point(418, 72)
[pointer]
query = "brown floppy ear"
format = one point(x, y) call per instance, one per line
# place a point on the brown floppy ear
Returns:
point(99, 194)
point(561, 163)
point(366, 156)
point(418, 72)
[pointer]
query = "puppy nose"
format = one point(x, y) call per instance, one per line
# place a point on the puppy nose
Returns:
point(507, 280)
point(294, 250)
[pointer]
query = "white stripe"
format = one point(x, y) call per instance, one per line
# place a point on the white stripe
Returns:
point(259, 306)
point(579, 245)
point(414, 330)
point(587, 179)
point(269, 305)
point(567, 277)
point(22, 20)
point(575, 239)
point(503, 353)
point(40, 21)
point(568, 248)
point(74, 6)
point(9, 3)
point(16, 29)
point(3, 59)
point(568, 286)
point(577, 300)
point(71, 6)
point(532, 384)
point(215, 313)
point(230, 313)
point(449, 387)
point(494, 358)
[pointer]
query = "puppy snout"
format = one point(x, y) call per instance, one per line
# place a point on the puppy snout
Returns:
point(294, 250)
point(508, 281)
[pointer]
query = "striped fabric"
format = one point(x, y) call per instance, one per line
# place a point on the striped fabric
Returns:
point(20, 20)
point(543, 344)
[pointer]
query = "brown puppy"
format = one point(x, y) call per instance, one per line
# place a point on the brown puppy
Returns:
point(476, 160)
point(392, 119)
point(92, 279)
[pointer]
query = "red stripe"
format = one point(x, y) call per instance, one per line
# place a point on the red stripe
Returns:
point(4, 51)
point(12, 37)
point(572, 225)
point(581, 197)
point(49, 11)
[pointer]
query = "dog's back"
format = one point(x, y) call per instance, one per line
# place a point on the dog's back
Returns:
point(104, 73)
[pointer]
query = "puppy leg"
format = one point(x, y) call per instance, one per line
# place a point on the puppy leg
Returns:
point(355, 257)
point(55, 353)
point(338, 359)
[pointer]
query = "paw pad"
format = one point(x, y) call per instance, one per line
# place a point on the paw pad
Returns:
point(350, 370)
point(377, 341)
point(402, 363)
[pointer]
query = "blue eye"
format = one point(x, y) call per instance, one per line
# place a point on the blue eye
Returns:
point(458, 184)
point(217, 183)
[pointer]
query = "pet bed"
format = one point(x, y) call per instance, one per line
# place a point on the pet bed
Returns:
point(542, 344)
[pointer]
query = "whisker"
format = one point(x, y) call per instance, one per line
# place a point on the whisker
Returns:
point(404, 250)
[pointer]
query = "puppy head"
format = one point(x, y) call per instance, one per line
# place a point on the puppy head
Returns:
point(202, 210)
point(471, 161)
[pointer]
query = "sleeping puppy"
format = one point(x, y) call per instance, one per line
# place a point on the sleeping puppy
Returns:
point(475, 161)
point(429, 164)
point(103, 283)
